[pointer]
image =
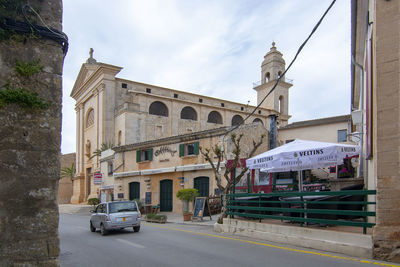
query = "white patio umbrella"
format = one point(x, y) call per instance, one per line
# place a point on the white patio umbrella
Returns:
point(302, 155)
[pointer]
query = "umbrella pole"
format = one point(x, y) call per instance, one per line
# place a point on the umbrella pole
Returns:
point(300, 180)
point(301, 197)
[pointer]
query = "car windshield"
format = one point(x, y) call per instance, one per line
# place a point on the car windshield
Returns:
point(122, 206)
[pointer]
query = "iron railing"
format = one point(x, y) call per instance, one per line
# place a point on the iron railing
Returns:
point(283, 79)
point(348, 208)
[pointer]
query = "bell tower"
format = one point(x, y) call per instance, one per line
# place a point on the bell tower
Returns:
point(272, 68)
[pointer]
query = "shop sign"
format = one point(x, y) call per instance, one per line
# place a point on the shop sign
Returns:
point(97, 178)
point(165, 150)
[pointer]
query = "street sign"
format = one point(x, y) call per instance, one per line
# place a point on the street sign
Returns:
point(97, 178)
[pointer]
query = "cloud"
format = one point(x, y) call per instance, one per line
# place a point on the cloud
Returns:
point(213, 48)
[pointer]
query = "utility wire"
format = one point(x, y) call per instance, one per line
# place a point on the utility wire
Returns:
point(28, 27)
point(290, 65)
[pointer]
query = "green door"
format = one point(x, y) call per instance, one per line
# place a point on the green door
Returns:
point(202, 185)
point(134, 190)
point(166, 195)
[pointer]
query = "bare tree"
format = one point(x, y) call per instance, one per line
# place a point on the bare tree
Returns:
point(224, 177)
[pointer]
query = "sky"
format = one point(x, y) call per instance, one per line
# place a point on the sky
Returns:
point(212, 48)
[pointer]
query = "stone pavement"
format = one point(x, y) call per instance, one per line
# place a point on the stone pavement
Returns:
point(171, 217)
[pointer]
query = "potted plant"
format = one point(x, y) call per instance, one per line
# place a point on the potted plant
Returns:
point(187, 195)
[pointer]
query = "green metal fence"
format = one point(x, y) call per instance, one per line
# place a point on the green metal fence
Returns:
point(349, 208)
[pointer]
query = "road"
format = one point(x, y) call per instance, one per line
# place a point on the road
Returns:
point(183, 245)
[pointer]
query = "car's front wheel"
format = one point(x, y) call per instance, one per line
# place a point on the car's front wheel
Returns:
point(136, 228)
point(92, 228)
point(103, 230)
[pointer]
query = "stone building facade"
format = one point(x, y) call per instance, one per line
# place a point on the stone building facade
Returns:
point(119, 112)
point(154, 171)
point(375, 113)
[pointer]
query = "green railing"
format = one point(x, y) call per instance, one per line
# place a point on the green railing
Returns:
point(348, 208)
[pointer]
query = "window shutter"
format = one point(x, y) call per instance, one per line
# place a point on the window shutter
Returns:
point(196, 148)
point(181, 150)
point(138, 152)
point(150, 154)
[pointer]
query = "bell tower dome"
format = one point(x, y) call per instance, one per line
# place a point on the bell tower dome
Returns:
point(272, 68)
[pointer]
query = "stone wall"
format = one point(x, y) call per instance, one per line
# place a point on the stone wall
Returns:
point(387, 32)
point(65, 183)
point(30, 140)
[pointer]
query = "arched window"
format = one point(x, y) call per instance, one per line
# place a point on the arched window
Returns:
point(236, 120)
point(258, 120)
point(214, 117)
point(267, 77)
point(158, 108)
point(188, 113)
point(90, 118)
point(281, 107)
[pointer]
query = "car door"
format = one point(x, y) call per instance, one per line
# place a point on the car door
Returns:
point(97, 215)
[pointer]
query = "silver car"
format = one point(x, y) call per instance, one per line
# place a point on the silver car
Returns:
point(115, 215)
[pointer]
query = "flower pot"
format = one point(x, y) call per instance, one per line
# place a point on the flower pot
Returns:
point(187, 216)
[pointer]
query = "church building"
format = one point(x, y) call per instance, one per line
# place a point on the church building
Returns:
point(133, 116)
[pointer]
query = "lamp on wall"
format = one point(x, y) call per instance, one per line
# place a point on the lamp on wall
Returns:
point(182, 181)
point(120, 187)
point(148, 184)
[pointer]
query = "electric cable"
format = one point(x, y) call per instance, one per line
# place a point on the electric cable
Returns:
point(290, 65)
point(28, 27)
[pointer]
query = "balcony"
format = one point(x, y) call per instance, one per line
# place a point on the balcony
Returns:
point(284, 79)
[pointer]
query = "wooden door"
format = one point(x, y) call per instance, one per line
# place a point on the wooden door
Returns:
point(166, 195)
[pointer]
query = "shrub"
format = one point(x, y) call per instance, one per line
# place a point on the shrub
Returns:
point(157, 217)
point(93, 201)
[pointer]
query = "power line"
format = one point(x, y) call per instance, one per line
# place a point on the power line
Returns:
point(28, 27)
point(290, 65)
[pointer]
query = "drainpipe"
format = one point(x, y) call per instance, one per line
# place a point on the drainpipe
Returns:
point(362, 118)
point(272, 127)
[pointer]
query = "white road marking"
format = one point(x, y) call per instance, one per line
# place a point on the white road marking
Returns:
point(82, 228)
point(130, 243)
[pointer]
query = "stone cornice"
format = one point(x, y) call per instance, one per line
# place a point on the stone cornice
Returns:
point(174, 139)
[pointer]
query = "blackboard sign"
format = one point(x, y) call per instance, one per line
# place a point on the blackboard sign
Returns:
point(201, 208)
point(148, 198)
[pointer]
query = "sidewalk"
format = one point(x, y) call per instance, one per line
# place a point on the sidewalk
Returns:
point(171, 217)
point(74, 208)
point(178, 218)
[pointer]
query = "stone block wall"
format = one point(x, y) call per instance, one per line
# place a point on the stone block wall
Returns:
point(386, 233)
point(30, 140)
point(65, 184)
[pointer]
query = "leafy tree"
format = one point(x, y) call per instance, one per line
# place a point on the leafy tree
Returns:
point(187, 195)
point(220, 153)
point(68, 171)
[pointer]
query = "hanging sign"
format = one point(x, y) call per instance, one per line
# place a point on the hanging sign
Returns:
point(97, 178)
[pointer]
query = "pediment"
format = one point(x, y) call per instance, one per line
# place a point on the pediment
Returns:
point(86, 73)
